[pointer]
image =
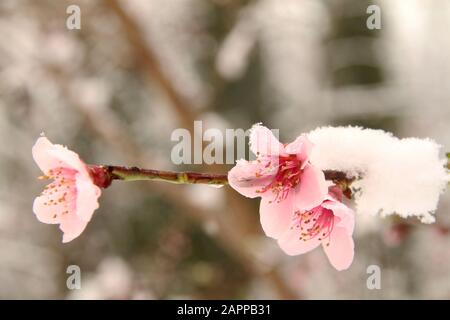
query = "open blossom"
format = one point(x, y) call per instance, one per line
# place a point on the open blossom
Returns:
point(282, 176)
point(330, 224)
point(71, 199)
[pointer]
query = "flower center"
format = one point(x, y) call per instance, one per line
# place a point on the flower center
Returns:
point(316, 223)
point(287, 177)
point(61, 192)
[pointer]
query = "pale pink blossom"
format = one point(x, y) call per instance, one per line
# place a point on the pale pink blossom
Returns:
point(330, 224)
point(71, 199)
point(282, 176)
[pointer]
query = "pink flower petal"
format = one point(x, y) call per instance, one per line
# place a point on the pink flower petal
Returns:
point(290, 243)
point(276, 217)
point(341, 249)
point(50, 156)
point(72, 226)
point(54, 201)
point(87, 196)
point(312, 189)
point(345, 215)
point(263, 142)
point(301, 147)
point(45, 213)
point(247, 177)
point(68, 158)
point(44, 160)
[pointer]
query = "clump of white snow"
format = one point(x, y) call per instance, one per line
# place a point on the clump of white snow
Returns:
point(397, 176)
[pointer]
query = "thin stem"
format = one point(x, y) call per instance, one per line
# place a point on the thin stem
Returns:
point(138, 174)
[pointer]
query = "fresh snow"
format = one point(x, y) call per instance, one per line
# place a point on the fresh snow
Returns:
point(396, 176)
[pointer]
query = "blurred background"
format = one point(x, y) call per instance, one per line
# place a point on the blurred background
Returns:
point(115, 90)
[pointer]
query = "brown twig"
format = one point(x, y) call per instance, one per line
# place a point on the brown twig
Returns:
point(109, 173)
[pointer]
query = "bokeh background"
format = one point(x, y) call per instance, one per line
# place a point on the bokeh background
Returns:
point(136, 70)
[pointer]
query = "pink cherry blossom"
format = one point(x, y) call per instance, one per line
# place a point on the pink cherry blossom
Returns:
point(282, 176)
point(330, 224)
point(71, 199)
